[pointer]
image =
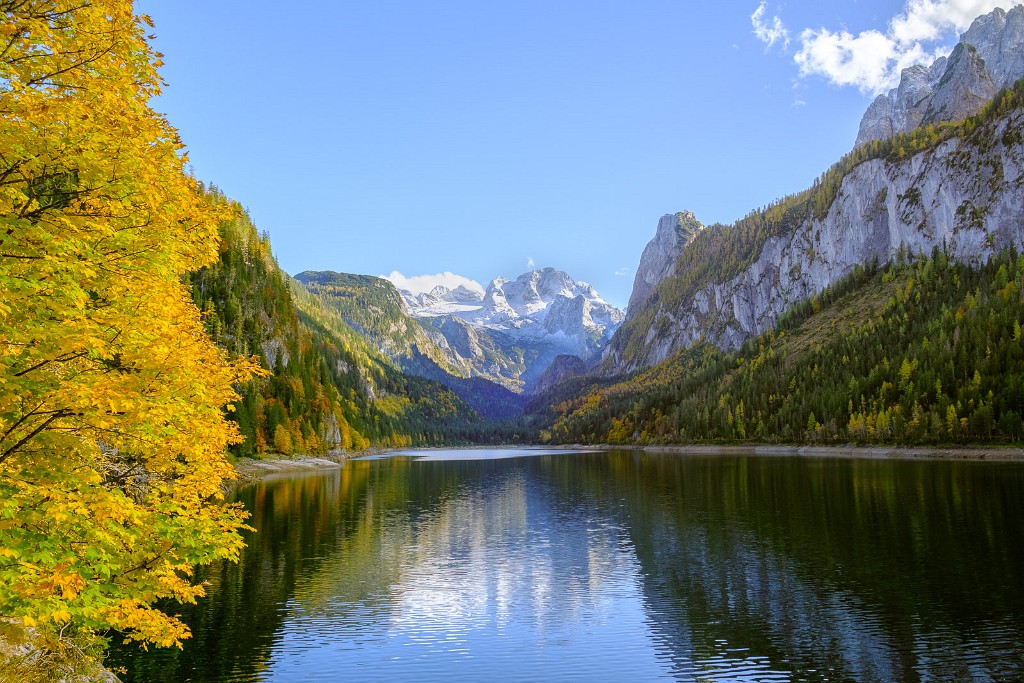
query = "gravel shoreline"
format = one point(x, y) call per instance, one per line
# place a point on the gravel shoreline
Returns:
point(250, 470)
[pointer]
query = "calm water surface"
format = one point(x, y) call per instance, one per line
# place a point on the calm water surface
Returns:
point(617, 566)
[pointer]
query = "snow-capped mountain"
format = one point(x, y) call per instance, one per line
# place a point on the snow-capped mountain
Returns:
point(541, 306)
point(442, 301)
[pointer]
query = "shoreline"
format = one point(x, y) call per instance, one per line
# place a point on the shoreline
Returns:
point(966, 453)
point(251, 470)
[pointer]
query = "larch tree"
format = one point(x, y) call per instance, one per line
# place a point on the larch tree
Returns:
point(112, 397)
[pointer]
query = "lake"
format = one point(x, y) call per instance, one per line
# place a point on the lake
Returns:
point(616, 566)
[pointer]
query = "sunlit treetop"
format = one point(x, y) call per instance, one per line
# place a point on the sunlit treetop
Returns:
point(112, 432)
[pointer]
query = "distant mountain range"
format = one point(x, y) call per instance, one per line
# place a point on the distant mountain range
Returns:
point(507, 334)
point(540, 308)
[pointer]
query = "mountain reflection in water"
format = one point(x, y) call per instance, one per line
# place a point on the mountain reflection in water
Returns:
point(617, 566)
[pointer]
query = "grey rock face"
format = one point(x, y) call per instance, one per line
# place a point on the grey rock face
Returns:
point(989, 57)
point(475, 349)
point(584, 323)
point(962, 197)
point(964, 88)
point(563, 367)
point(998, 37)
point(904, 107)
point(658, 260)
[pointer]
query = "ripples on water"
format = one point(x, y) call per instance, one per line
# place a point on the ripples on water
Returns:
point(618, 567)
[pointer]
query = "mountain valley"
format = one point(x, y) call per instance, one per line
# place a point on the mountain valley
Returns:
point(464, 441)
point(925, 186)
point(729, 329)
point(543, 356)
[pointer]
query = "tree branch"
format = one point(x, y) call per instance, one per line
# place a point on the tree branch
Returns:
point(46, 423)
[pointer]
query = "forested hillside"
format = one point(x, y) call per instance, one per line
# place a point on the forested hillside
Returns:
point(373, 308)
point(922, 351)
point(325, 387)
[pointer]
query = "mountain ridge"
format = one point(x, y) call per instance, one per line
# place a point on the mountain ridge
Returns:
point(529, 321)
point(988, 58)
point(524, 305)
point(658, 260)
point(959, 188)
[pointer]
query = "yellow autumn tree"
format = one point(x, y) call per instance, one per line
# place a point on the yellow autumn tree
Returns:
point(282, 440)
point(112, 433)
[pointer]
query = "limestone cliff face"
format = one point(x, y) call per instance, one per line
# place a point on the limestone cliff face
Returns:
point(965, 195)
point(999, 37)
point(660, 255)
point(989, 57)
point(904, 107)
point(966, 85)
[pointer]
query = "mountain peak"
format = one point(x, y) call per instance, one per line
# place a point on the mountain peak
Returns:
point(658, 261)
point(545, 305)
point(989, 57)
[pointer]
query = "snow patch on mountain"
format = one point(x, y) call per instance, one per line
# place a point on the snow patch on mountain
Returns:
point(544, 305)
point(423, 284)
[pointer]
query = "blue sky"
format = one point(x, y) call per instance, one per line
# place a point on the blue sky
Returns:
point(481, 138)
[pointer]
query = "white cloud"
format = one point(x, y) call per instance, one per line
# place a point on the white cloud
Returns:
point(865, 60)
point(420, 284)
point(872, 60)
point(530, 263)
point(623, 272)
point(768, 32)
point(926, 20)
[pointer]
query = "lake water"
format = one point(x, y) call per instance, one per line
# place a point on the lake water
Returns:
point(617, 566)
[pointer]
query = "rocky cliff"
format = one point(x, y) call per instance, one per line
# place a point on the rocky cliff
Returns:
point(964, 195)
point(658, 260)
point(562, 368)
point(477, 350)
point(989, 57)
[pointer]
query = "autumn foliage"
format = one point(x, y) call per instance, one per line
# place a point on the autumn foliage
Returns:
point(112, 432)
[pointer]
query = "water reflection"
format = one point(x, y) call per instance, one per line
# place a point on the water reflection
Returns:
point(831, 569)
point(619, 566)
